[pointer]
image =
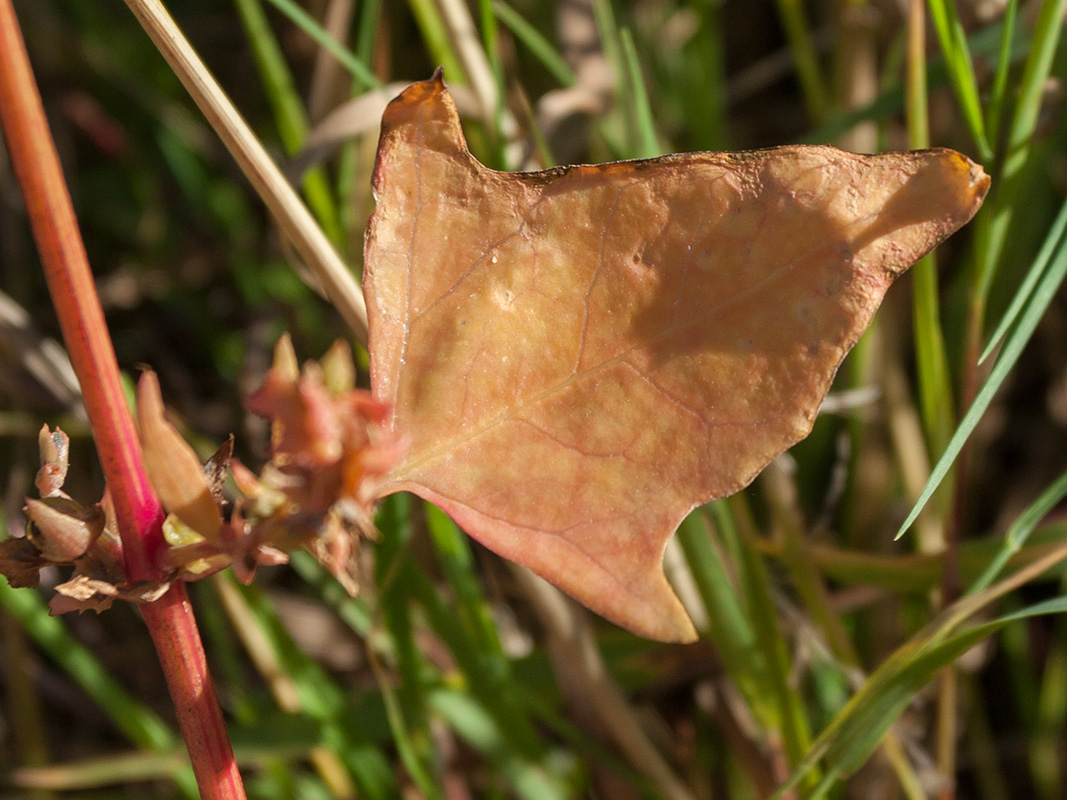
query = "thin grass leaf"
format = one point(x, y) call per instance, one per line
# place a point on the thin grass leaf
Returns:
point(848, 741)
point(495, 692)
point(454, 554)
point(700, 84)
point(353, 611)
point(318, 34)
point(934, 376)
point(435, 35)
point(1034, 275)
point(648, 145)
point(756, 587)
point(919, 573)
point(525, 751)
point(998, 94)
point(406, 703)
point(410, 748)
point(1020, 530)
point(611, 44)
point(984, 43)
point(289, 114)
point(80, 778)
point(588, 747)
point(1013, 347)
point(729, 629)
point(491, 46)
point(1031, 88)
point(537, 44)
point(274, 72)
point(369, 17)
point(466, 628)
point(934, 379)
point(992, 231)
point(957, 55)
point(982, 739)
point(798, 34)
point(349, 181)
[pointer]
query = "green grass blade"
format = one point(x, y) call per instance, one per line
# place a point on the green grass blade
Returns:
point(957, 55)
point(1020, 531)
point(648, 145)
point(931, 357)
point(370, 14)
point(1050, 717)
point(984, 43)
point(1013, 347)
point(611, 45)
point(141, 726)
point(454, 555)
point(353, 611)
point(274, 72)
point(406, 705)
point(998, 95)
point(490, 44)
point(755, 582)
point(318, 34)
point(934, 376)
point(1010, 195)
point(729, 629)
point(289, 114)
point(475, 640)
point(848, 741)
point(537, 44)
point(1031, 88)
point(436, 39)
point(1033, 277)
point(798, 34)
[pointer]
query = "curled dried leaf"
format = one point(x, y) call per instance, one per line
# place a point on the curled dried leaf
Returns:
point(85, 593)
point(173, 468)
point(62, 529)
point(55, 452)
point(21, 562)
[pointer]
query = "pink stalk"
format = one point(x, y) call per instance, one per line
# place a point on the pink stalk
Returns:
point(138, 511)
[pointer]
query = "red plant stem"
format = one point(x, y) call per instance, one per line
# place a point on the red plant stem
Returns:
point(173, 628)
point(138, 512)
point(70, 282)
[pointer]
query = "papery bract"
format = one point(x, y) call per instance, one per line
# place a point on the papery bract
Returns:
point(579, 357)
point(327, 457)
point(172, 464)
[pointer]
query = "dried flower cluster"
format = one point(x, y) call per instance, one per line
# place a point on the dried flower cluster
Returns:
point(317, 491)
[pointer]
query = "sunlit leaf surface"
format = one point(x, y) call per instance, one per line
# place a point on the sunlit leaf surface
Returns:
point(579, 357)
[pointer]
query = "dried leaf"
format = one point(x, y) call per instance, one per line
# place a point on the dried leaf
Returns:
point(173, 467)
point(62, 529)
point(20, 562)
point(216, 467)
point(579, 357)
point(86, 593)
point(83, 593)
point(55, 452)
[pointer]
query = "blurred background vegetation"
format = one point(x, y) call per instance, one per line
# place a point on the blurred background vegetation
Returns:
point(451, 676)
